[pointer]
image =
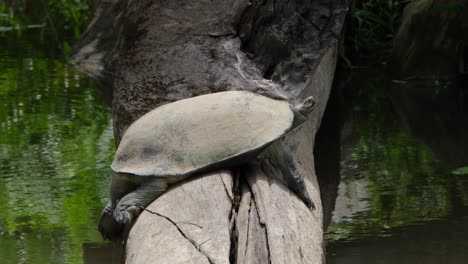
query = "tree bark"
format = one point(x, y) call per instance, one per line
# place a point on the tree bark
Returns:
point(155, 52)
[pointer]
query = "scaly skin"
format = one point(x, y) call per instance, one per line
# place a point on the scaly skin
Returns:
point(128, 201)
point(280, 156)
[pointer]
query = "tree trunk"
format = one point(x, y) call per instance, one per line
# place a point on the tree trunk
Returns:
point(155, 52)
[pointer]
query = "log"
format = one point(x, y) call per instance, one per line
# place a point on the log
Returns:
point(163, 51)
point(189, 224)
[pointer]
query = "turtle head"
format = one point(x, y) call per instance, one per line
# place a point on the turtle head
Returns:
point(306, 106)
point(301, 110)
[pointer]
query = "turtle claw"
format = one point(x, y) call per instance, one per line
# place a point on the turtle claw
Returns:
point(125, 216)
point(112, 222)
point(304, 196)
point(310, 204)
point(108, 227)
point(122, 216)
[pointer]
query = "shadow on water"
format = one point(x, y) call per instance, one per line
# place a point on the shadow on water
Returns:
point(397, 201)
point(435, 110)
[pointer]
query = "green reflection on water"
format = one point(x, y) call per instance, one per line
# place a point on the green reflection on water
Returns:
point(390, 178)
point(55, 146)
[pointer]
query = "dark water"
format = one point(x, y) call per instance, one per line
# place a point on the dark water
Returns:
point(56, 143)
point(398, 142)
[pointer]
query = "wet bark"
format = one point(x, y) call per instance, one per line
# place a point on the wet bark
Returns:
point(154, 52)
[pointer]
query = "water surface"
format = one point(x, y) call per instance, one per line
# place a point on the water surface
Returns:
point(398, 142)
point(55, 146)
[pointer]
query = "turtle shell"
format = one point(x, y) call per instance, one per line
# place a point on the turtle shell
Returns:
point(189, 135)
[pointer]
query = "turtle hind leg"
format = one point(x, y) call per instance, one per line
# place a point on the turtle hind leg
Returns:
point(107, 226)
point(130, 206)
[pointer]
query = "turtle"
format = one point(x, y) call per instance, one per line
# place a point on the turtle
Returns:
point(197, 134)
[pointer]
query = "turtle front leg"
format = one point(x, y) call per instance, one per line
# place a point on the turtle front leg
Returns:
point(280, 155)
point(294, 178)
point(130, 206)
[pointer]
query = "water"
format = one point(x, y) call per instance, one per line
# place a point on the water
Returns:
point(397, 201)
point(56, 144)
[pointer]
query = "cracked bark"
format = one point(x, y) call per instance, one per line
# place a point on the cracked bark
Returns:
point(185, 243)
point(252, 246)
point(176, 225)
point(153, 52)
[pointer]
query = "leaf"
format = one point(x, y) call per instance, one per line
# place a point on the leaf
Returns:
point(461, 171)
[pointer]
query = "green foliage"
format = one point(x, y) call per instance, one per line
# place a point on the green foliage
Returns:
point(370, 28)
point(461, 171)
point(53, 20)
point(453, 8)
point(71, 15)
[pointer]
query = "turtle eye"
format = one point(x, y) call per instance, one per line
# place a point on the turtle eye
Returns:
point(309, 102)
